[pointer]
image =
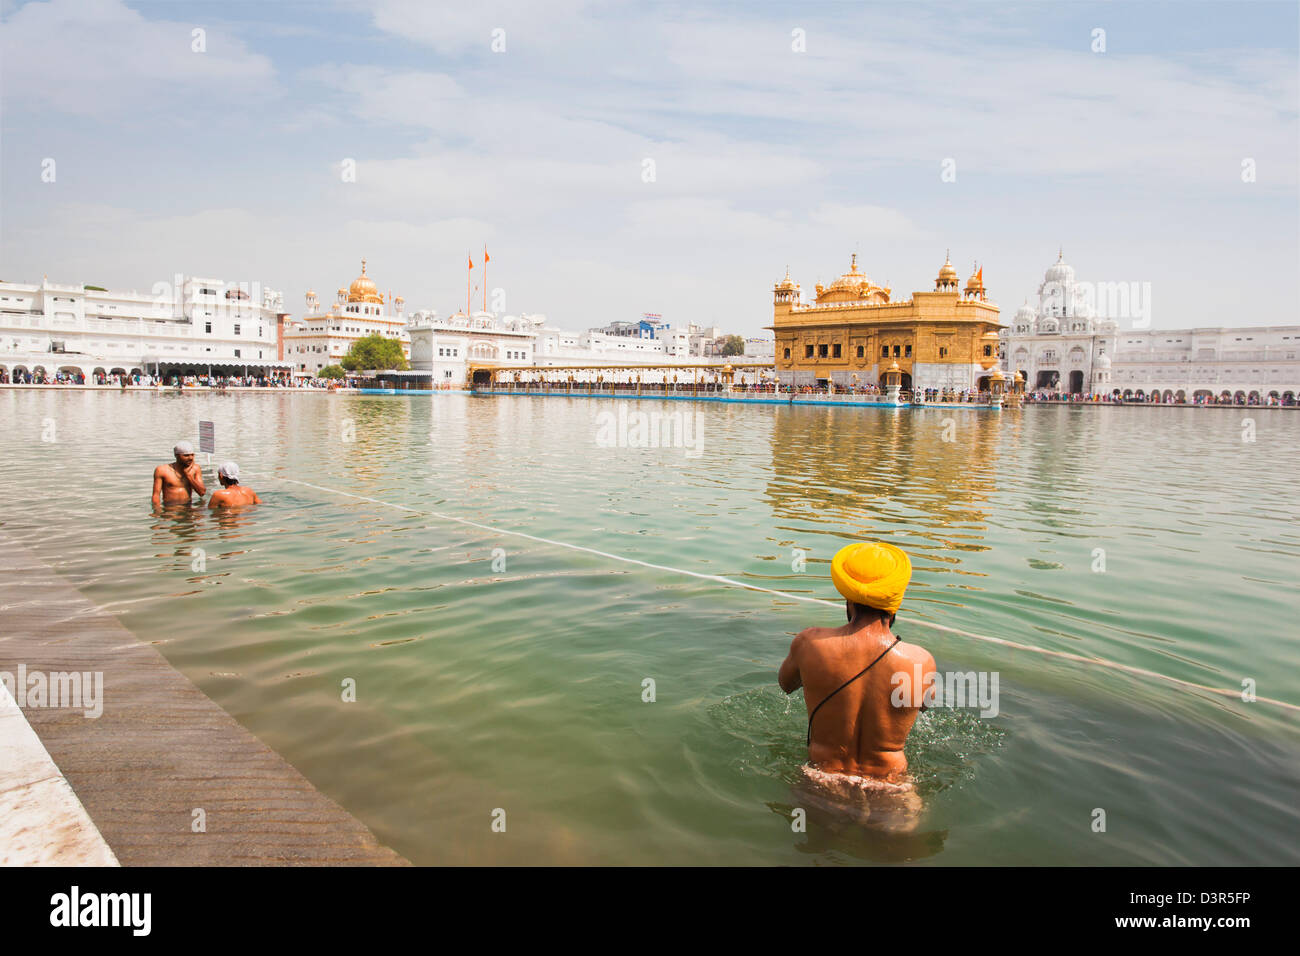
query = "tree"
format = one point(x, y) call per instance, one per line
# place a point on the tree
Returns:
point(376, 352)
point(331, 371)
point(733, 345)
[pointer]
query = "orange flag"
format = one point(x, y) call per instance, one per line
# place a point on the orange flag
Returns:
point(471, 262)
point(980, 275)
point(486, 257)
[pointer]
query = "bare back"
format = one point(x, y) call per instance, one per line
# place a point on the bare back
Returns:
point(859, 730)
point(234, 496)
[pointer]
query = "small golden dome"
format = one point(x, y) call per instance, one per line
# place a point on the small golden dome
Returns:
point(362, 288)
point(852, 279)
point(948, 272)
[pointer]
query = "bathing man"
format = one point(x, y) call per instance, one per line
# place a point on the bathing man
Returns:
point(853, 675)
point(175, 482)
point(232, 493)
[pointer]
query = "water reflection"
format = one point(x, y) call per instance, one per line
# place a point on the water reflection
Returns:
point(925, 479)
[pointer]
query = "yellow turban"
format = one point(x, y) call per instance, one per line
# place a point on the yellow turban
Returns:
point(872, 573)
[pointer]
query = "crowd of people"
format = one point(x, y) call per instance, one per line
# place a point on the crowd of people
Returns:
point(1154, 398)
point(147, 380)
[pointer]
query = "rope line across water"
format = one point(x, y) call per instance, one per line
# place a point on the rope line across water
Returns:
point(720, 579)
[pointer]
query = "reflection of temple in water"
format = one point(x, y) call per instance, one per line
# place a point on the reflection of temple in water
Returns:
point(925, 474)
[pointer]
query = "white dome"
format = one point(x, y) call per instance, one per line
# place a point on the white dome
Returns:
point(1026, 312)
point(1103, 361)
point(1059, 272)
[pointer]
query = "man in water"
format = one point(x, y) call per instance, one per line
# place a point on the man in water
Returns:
point(863, 687)
point(232, 493)
point(176, 482)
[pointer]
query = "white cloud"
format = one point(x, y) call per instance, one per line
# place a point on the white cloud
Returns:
point(101, 58)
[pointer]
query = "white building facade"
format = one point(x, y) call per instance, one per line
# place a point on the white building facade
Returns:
point(446, 347)
point(1062, 345)
point(1257, 365)
point(188, 326)
point(449, 348)
point(323, 337)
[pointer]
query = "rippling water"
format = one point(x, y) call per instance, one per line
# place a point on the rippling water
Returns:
point(521, 688)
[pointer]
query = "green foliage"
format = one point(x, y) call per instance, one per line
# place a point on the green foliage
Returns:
point(376, 352)
point(94, 288)
point(331, 371)
point(733, 345)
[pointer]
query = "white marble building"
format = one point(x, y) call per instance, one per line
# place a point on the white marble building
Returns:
point(323, 336)
point(1249, 365)
point(1063, 345)
point(188, 325)
point(446, 347)
point(1060, 345)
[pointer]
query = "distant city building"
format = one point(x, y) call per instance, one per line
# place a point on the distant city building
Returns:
point(323, 336)
point(701, 339)
point(188, 326)
point(853, 332)
point(1062, 345)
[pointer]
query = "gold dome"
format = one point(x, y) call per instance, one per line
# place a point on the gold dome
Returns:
point(853, 278)
point(947, 272)
point(852, 286)
point(363, 289)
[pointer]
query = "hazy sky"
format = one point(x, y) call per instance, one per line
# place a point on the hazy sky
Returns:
point(228, 162)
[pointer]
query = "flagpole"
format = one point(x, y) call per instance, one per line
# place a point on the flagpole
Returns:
point(467, 290)
point(485, 262)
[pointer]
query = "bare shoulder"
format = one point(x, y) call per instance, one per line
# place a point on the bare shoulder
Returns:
point(810, 634)
point(917, 655)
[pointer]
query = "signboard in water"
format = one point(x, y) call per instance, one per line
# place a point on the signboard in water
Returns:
point(207, 437)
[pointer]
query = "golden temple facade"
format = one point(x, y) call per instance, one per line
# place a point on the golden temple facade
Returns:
point(853, 331)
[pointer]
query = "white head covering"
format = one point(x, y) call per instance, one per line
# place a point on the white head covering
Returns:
point(183, 448)
point(229, 471)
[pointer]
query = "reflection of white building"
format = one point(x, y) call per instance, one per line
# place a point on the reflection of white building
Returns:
point(187, 326)
point(323, 337)
point(1062, 345)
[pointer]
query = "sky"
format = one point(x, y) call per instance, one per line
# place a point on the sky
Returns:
point(619, 158)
